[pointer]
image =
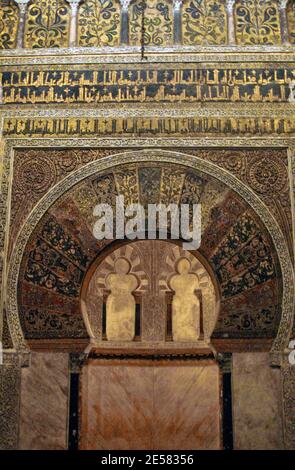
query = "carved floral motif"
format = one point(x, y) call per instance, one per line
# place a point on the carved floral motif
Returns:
point(9, 18)
point(47, 24)
point(204, 22)
point(99, 23)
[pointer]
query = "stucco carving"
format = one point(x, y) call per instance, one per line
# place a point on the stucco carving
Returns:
point(163, 156)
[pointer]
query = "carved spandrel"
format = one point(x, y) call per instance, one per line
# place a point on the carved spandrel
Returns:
point(172, 84)
point(47, 24)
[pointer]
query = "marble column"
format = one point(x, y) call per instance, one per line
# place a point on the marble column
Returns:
point(284, 22)
point(125, 22)
point(231, 22)
point(177, 28)
point(74, 4)
point(225, 366)
point(22, 4)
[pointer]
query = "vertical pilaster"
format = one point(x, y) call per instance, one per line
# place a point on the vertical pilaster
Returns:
point(22, 4)
point(77, 360)
point(284, 21)
point(74, 4)
point(231, 22)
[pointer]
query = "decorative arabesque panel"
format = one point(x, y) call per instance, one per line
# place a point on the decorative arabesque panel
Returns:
point(204, 22)
point(291, 21)
point(47, 24)
point(9, 18)
point(99, 23)
point(257, 22)
point(158, 23)
point(62, 247)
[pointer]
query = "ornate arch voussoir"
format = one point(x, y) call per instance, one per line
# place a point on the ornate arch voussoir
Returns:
point(165, 156)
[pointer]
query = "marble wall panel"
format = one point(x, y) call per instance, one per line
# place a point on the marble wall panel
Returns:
point(44, 403)
point(186, 400)
point(127, 406)
point(257, 403)
point(117, 404)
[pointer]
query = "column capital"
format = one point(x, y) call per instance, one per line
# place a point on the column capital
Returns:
point(125, 4)
point(74, 4)
point(230, 4)
point(22, 4)
point(225, 362)
point(177, 4)
point(283, 3)
point(77, 361)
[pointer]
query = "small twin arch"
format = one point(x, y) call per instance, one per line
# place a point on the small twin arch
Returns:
point(123, 280)
point(100, 23)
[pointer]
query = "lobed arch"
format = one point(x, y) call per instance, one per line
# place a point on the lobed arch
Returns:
point(149, 156)
point(99, 23)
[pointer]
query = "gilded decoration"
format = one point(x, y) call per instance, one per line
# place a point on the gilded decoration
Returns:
point(59, 254)
point(47, 24)
point(169, 126)
point(291, 20)
point(266, 173)
point(169, 83)
point(152, 263)
point(99, 23)
point(36, 174)
point(204, 22)
point(158, 22)
point(257, 22)
point(186, 306)
point(247, 194)
point(9, 18)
